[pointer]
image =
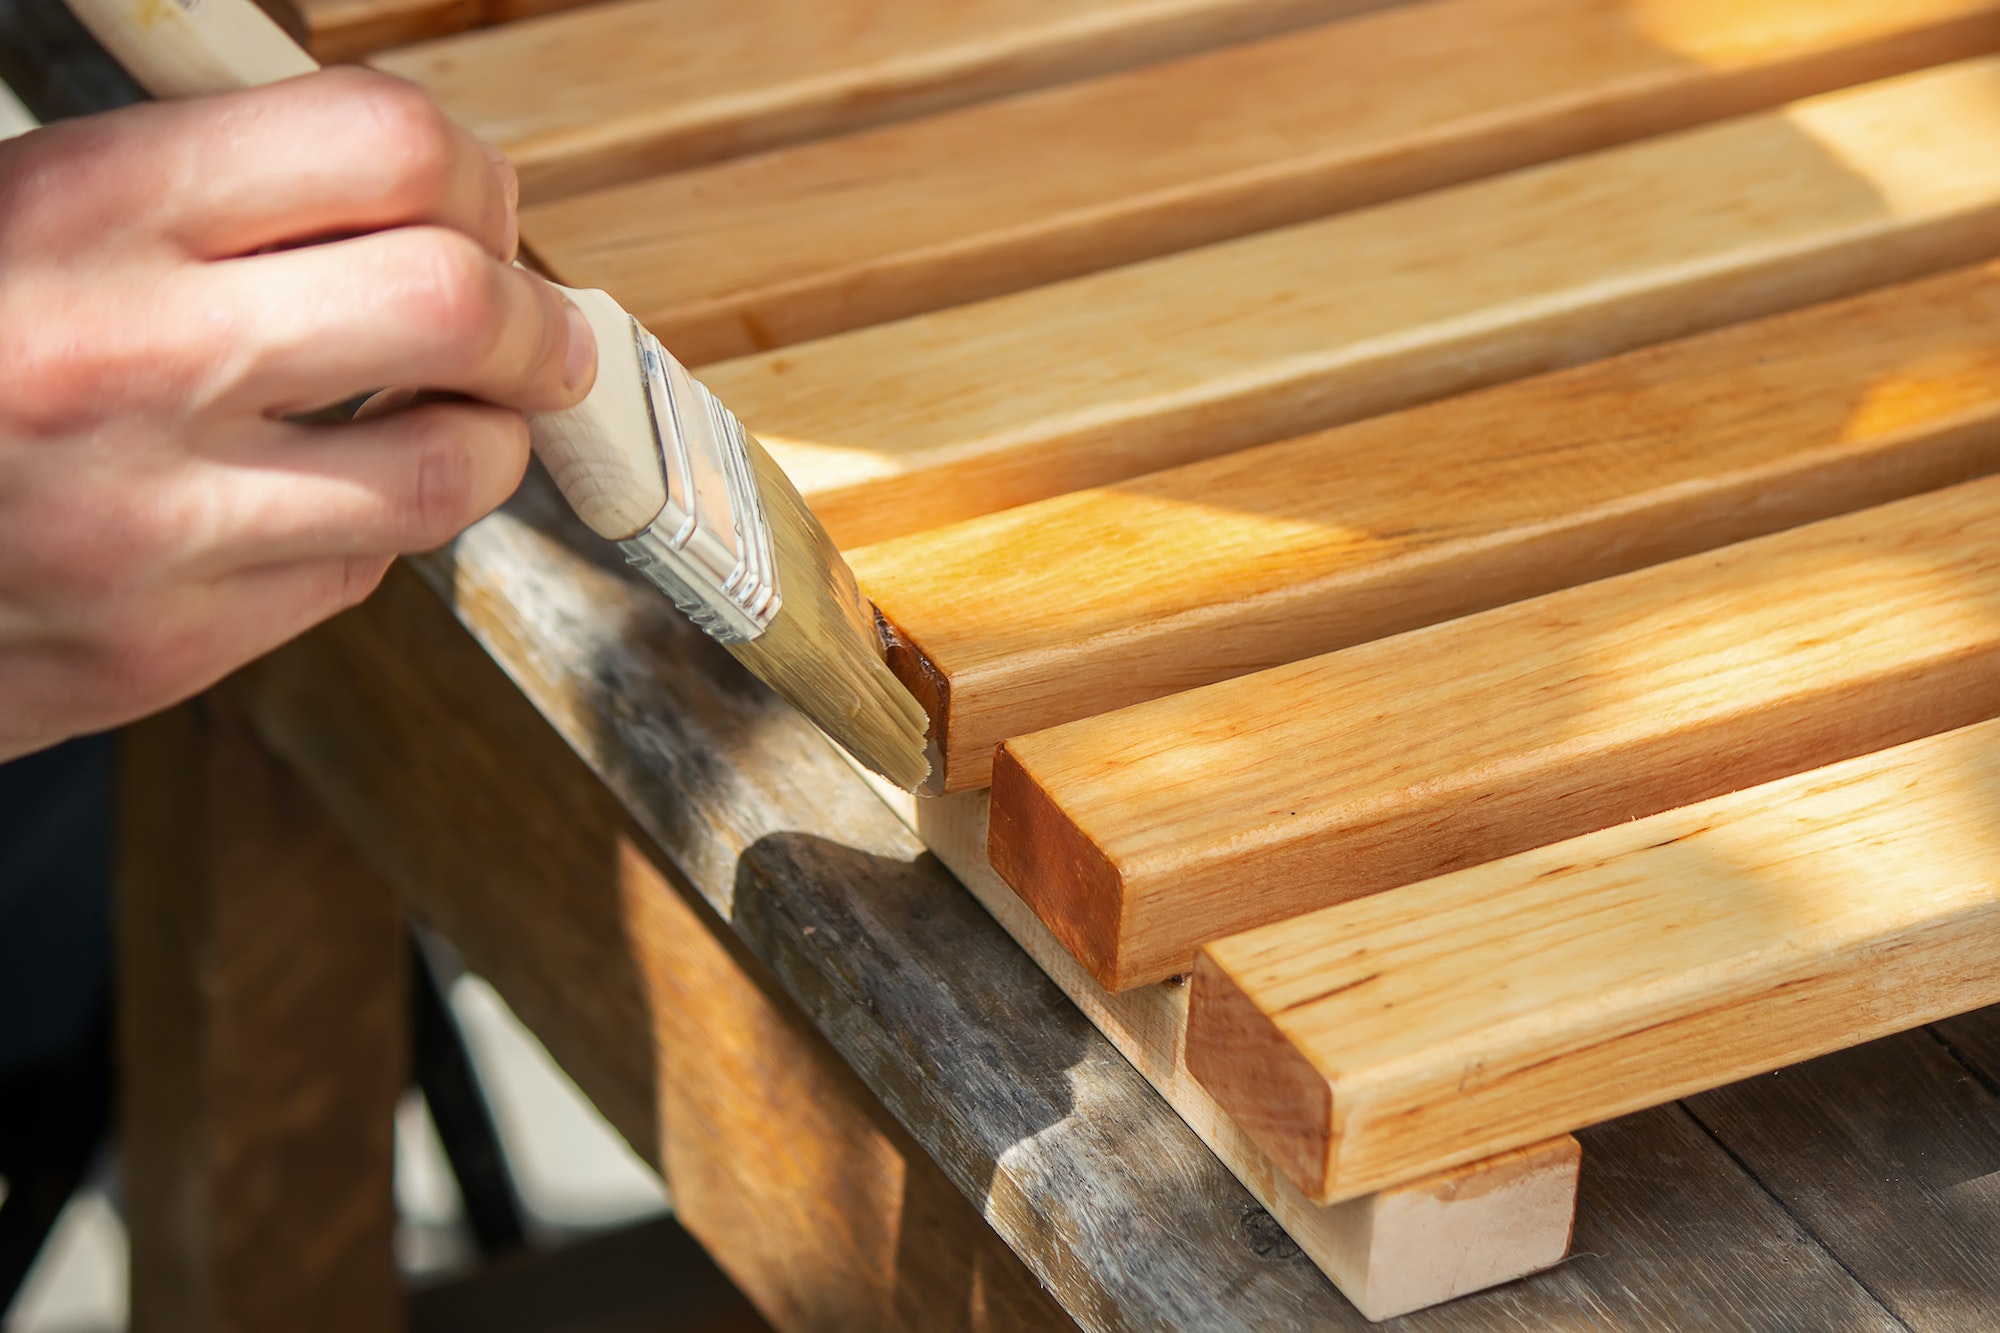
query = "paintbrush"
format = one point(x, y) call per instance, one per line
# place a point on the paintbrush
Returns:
point(649, 460)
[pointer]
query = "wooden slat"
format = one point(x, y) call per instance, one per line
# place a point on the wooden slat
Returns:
point(1219, 568)
point(261, 1026)
point(1920, 1226)
point(810, 241)
point(347, 30)
point(1404, 1248)
point(614, 91)
point(1447, 1019)
point(944, 416)
point(1139, 834)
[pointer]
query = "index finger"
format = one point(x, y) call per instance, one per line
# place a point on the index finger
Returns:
point(338, 153)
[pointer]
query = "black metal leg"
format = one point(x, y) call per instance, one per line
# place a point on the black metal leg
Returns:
point(74, 1104)
point(460, 1111)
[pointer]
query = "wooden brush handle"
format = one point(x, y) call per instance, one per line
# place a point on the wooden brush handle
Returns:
point(600, 452)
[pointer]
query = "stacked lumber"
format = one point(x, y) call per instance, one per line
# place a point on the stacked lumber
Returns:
point(1491, 565)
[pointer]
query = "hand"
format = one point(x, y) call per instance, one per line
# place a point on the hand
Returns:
point(175, 281)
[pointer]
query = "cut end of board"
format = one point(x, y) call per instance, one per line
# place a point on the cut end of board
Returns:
point(1057, 871)
point(930, 688)
point(1261, 1078)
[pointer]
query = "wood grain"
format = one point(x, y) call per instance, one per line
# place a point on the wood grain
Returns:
point(618, 90)
point(1216, 569)
point(1139, 834)
point(809, 1195)
point(945, 416)
point(1921, 1228)
point(337, 31)
point(262, 1030)
point(1566, 985)
point(1414, 1245)
point(804, 242)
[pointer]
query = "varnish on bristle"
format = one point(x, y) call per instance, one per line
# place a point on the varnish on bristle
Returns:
point(822, 651)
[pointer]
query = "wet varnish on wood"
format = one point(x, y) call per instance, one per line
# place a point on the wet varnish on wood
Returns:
point(1219, 568)
point(1141, 834)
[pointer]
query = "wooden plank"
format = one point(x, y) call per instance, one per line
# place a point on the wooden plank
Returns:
point(814, 240)
point(349, 30)
point(1233, 565)
point(810, 1196)
point(1414, 1245)
point(1566, 985)
point(261, 1027)
point(1666, 1211)
point(1142, 833)
point(1110, 1200)
point(962, 412)
point(1104, 1191)
point(1919, 1225)
point(630, 88)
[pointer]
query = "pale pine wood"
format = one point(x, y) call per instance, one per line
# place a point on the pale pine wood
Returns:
point(614, 91)
point(797, 244)
point(1566, 985)
point(1232, 565)
point(1415, 1244)
point(1142, 833)
point(262, 1023)
point(944, 416)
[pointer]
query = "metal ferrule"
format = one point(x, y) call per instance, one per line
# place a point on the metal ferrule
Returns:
point(710, 548)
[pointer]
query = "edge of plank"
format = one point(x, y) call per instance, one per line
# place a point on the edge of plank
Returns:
point(1408, 1246)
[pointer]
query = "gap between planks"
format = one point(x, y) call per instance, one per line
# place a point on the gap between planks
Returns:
point(612, 91)
point(1409, 1246)
point(1141, 834)
point(786, 246)
point(1229, 566)
point(966, 411)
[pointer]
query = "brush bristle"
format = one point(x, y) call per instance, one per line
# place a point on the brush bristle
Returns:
point(822, 652)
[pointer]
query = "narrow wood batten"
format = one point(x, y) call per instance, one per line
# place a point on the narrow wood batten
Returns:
point(786, 246)
point(1246, 802)
point(613, 91)
point(1623, 969)
point(1217, 569)
point(946, 416)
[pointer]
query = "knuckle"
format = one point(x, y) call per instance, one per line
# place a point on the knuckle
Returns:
point(409, 137)
point(458, 295)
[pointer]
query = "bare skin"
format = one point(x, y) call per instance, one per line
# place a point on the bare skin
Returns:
point(178, 280)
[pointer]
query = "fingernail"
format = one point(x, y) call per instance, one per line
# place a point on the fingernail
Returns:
point(510, 187)
point(580, 364)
